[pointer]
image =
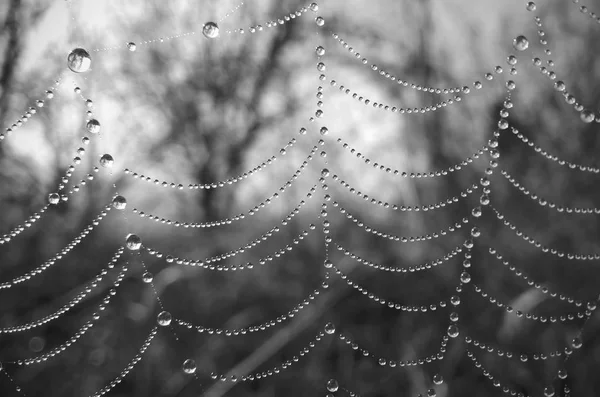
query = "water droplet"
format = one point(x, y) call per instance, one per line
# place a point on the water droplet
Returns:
point(332, 385)
point(577, 342)
point(134, 242)
point(453, 331)
point(437, 379)
point(131, 47)
point(511, 60)
point(562, 373)
point(329, 328)
point(314, 7)
point(431, 393)
point(559, 86)
point(549, 391)
point(475, 232)
point(210, 30)
point(93, 126)
point(79, 60)
point(320, 51)
point(328, 264)
point(320, 21)
point(147, 277)
point(587, 116)
point(503, 124)
point(107, 161)
point(465, 278)
point(476, 212)
point(164, 319)
point(119, 202)
point(531, 6)
point(189, 366)
point(520, 43)
point(53, 198)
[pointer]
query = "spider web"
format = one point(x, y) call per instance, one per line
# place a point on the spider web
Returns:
point(339, 226)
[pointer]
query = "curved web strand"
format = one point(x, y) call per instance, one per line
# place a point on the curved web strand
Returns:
point(409, 269)
point(394, 109)
point(555, 252)
point(505, 389)
point(411, 239)
point(42, 358)
point(263, 165)
point(431, 174)
point(130, 366)
point(522, 357)
point(439, 355)
point(228, 221)
point(388, 303)
point(545, 203)
point(563, 318)
point(72, 303)
point(262, 326)
point(532, 283)
point(427, 207)
point(277, 368)
point(50, 262)
point(383, 73)
point(557, 160)
point(247, 266)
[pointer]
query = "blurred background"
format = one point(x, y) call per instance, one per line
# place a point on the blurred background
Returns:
point(192, 110)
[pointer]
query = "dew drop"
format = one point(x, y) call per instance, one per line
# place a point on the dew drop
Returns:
point(107, 160)
point(189, 366)
point(53, 198)
point(587, 116)
point(577, 342)
point(119, 203)
point(79, 60)
point(164, 318)
point(210, 30)
point(476, 212)
point(134, 242)
point(93, 126)
point(549, 391)
point(314, 7)
point(562, 373)
point(531, 6)
point(329, 328)
point(453, 331)
point(320, 21)
point(520, 43)
point(332, 385)
point(559, 86)
point(465, 278)
point(131, 46)
point(320, 51)
point(437, 379)
point(147, 277)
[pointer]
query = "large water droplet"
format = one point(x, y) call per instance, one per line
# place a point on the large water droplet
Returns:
point(329, 328)
point(93, 126)
point(332, 385)
point(107, 161)
point(520, 43)
point(134, 242)
point(437, 379)
point(79, 60)
point(210, 30)
point(131, 47)
point(319, 21)
point(531, 6)
point(189, 366)
point(453, 331)
point(164, 319)
point(119, 202)
point(53, 198)
point(314, 7)
point(587, 116)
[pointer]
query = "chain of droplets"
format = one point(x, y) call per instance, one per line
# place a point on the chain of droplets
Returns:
point(543, 202)
point(452, 200)
point(523, 357)
point(538, 149)
point(248, 265)
point(253, 29)
point(542, 288)
point(387, 75)
point(394, 109)
point(260, 239)
point(36, 216)
point(69, 305)
point(431, 174)
point(555, 252)
point(228, 221)
point(584, 10)
point(410, 269)
point(276, 369)
point(213, 185)
point(49, 94)
point(495, 382)
point(82, 331)
point(46, 265)
point(130, 366)
point(411, 239)
point(542, 319)
point(17, 387)
point(439, 355)
point(259, 327)
point(384, 302)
